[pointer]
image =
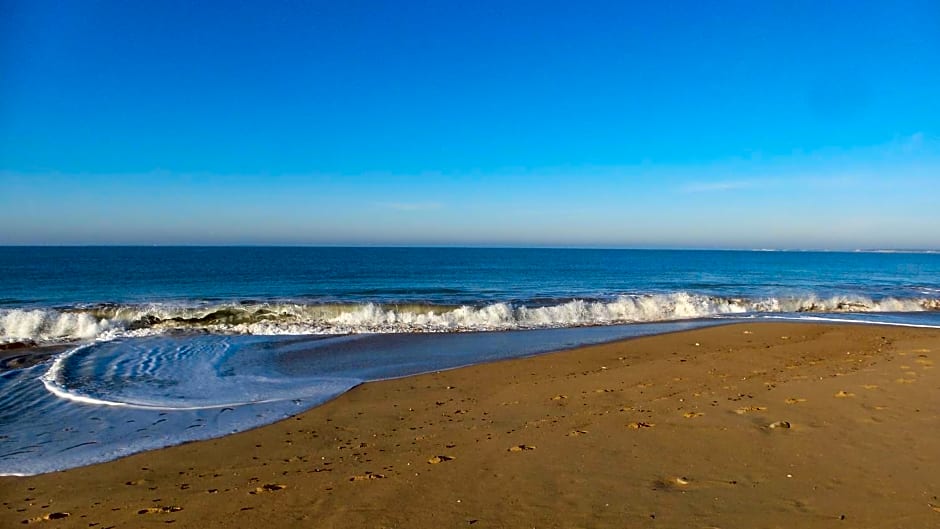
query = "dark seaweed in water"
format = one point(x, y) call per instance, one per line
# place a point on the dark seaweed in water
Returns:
point(846, 306)
point(224, 316)
point(229, 316)
point(19, 355)
point(144, 322)
point(17, 345)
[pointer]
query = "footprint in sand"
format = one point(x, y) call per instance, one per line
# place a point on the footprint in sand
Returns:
point(50, 516)
point(158, 510)
point(559, 397)
point(269, 487)
point(749, 409)
point(440, 459)
point(520, 448)
point(843, 394)
point(692, 414)
point(679, 483)
point(640, 425)
point(779, 424)
point(794, 400)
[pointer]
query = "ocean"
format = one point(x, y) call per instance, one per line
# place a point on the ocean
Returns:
point(163, 345)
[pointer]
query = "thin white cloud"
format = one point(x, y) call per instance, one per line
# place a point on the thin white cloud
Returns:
point(712, 187)
point(914, 143)
point(847, 181)
point(909, 158)
point(411, 206)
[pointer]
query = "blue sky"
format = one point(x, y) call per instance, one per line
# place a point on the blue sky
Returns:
point(736, 125)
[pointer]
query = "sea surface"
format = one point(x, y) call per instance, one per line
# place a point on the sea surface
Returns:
point(163, 345)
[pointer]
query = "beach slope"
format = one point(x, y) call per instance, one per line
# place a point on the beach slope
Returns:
point(744, 425)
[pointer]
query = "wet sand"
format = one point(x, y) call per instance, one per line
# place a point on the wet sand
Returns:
point(745, 425)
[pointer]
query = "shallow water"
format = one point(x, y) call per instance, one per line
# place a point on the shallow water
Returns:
point(109, 399)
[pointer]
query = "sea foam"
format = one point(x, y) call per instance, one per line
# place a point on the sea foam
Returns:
point(109, 321)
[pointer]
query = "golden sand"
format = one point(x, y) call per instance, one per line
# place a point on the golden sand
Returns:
point(740, 426)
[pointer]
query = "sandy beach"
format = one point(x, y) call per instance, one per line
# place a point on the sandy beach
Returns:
point(744, 425)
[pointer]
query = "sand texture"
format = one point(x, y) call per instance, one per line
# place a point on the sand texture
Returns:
point(739, 426)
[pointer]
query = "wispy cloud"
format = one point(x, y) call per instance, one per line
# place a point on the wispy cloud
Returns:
point(915, 143)
point(839, 181)
point(713, 187)
point(411, 206)
point(908, 158)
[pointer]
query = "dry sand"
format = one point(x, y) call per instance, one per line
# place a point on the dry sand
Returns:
point(740, 426)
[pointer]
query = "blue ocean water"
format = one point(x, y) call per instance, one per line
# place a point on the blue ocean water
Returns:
point(50, 295)
point(166, 345)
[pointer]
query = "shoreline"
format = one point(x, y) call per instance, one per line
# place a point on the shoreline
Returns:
point(692, 428)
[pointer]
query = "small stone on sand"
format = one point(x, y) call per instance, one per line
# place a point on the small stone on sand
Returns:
point(50, 516)
point(268, 487)
point(157, 510)
point(367, 476)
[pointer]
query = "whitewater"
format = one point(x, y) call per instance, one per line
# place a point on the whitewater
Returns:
point(49, 326)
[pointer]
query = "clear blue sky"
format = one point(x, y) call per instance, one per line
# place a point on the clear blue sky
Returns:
point(740, 124)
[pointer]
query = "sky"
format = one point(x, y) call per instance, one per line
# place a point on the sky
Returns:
point(491, 123)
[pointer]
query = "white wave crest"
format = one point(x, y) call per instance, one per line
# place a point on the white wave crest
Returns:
point(629, 309)
point(105, 322)
point(49, 325)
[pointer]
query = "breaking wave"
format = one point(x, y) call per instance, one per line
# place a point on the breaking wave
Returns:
point(38, 326)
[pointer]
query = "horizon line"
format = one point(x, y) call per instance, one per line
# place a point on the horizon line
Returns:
point(477, 247)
